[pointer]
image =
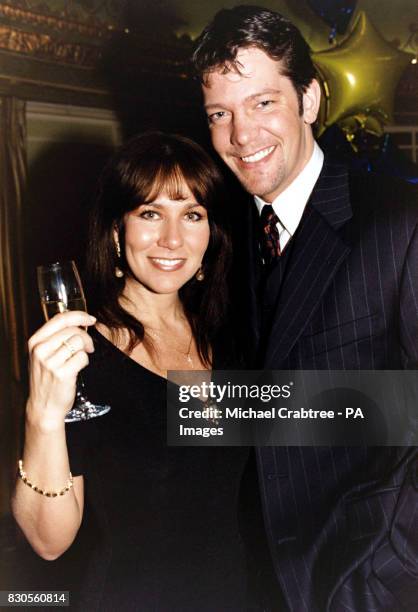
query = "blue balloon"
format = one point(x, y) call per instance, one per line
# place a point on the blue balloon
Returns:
point(336, 13)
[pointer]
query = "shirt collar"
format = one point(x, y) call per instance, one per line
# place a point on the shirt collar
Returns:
point(290, 204)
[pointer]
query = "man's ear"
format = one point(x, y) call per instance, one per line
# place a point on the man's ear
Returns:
point(311, 102)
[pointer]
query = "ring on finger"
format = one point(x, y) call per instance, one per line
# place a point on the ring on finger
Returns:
point(69, 347)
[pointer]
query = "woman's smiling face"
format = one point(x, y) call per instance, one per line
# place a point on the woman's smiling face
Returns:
point(165, 241)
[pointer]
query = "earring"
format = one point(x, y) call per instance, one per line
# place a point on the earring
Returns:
point(200, 275)
point(118, 272)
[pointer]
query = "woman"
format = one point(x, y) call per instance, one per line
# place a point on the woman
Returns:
point(164, 518)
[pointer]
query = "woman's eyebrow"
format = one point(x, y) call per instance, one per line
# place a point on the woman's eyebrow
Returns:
point(150, 204)
point(160, 205)
point(194, 204)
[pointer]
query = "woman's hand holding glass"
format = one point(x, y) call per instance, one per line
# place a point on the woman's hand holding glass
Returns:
point(61, 290)
point(58, 351)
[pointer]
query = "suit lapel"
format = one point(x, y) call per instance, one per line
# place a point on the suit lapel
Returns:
point(254, 269)
point(317, 254)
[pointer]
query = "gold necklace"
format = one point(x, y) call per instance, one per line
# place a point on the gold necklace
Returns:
point(158, 336)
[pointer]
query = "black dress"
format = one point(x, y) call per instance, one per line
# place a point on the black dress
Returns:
point(160, 531)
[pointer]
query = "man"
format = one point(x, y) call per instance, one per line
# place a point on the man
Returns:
point(333, 284)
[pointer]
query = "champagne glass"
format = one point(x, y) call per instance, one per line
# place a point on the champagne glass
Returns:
point(60, 289)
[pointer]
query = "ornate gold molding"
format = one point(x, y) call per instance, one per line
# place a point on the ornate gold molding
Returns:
point(20, 15)
point(45, 46)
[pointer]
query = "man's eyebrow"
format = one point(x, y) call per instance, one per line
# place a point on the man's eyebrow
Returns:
point(264, 92)
point(213, 105)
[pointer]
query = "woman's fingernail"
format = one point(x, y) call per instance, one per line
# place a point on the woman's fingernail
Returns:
point(92, 319)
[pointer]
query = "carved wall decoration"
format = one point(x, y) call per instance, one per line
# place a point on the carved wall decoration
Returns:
point(82, 44)
point(47, 47)
point(93, 14)
point(35, 29)
point(21, 16)
point(68, 42)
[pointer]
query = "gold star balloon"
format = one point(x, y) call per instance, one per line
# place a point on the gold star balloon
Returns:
point(361, 122)
point(359, 76)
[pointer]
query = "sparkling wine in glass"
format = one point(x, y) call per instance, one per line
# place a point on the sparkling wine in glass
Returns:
point(60, 289)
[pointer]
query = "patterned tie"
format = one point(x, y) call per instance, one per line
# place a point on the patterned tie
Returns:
point(270, 239)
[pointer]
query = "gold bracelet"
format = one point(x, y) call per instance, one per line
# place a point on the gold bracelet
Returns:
point(23, 476)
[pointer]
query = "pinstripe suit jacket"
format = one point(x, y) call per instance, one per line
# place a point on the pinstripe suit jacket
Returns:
point(342, 523)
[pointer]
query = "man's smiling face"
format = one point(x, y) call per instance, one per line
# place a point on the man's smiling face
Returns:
point(255, 122)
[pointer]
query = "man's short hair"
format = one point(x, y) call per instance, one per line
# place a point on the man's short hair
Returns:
point(253, 26)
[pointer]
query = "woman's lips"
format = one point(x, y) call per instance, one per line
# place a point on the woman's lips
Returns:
point(167, 264)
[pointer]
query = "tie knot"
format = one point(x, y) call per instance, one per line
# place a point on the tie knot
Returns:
point(270, 240)
point(268, 217)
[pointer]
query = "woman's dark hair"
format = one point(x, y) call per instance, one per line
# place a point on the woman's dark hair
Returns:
point(252, 26)
point(141, 169)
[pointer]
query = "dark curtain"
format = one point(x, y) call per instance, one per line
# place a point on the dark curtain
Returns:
point(13, 319)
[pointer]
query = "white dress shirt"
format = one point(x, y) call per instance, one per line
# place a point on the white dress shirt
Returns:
point(290, 204)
